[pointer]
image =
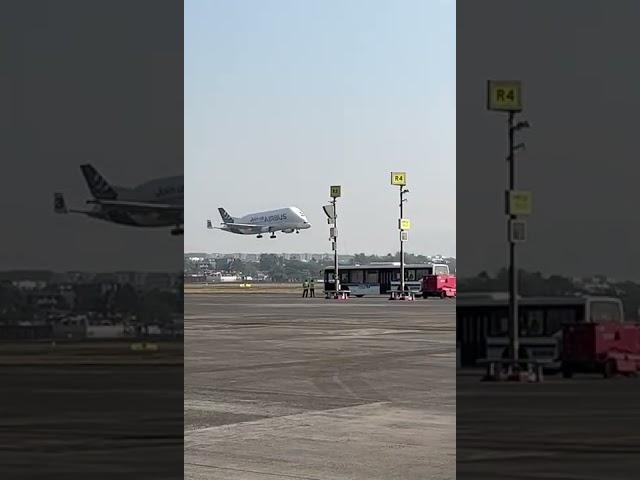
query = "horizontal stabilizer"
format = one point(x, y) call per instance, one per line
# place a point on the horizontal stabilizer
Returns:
point(59, 205)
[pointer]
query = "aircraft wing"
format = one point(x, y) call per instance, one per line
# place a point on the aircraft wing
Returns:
point(60, 206)
point(245, 225)
point(128, 205)
point(247, 228)
point(244, 228)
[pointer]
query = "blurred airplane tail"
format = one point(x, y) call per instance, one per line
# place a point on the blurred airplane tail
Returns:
point(226, 218)
point(98, 186)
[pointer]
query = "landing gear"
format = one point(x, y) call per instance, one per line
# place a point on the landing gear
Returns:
point(259, 236)
point(273, 235)
point(297, 231)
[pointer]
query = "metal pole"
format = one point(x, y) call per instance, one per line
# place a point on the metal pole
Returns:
point(401, 244)
point(513, 270)
point(335, 245)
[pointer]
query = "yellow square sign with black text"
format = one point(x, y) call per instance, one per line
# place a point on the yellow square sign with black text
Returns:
point(504, 96)
point(398, 178)
point(405, 224)
point(519, 202)
point(335, 191)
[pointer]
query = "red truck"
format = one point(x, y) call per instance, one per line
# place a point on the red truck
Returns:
point(608, 348)
point(441, 286)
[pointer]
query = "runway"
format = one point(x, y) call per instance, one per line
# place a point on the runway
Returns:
point(277, 386)
point(91, 421)
point(585, 428)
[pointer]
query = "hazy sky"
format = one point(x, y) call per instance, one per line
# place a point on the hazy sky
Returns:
point(285, 98)
point(97, 82)
point(578, 61)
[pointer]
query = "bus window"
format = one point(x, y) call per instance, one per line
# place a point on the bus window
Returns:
point(396, 276)
point(344, 277)
point(602, 311)
point(499, 324)
point(421, 273)
point(410, 275)
point(440, 269)
point(532, 323)
point(372, 276)
point(357, 276)
point(474, 326)
point(329, 276)
point(558, 317)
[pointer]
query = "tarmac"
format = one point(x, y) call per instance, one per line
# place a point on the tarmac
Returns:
point(96, 422)
point(585, 428)
point(277, 386)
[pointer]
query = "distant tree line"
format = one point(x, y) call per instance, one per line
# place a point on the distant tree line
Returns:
point(155, 306)
point(363, 259)
point(280, 269)
point(14, 304)
point(537, 284)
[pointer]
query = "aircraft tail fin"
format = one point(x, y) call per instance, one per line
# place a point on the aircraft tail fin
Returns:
point(226, 218)
point(98, 186)
point(59, 205)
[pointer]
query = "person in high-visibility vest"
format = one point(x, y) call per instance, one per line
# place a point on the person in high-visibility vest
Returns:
point(305, 288)
point(312, 292)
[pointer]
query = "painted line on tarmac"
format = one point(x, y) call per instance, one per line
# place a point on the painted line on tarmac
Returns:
point(244, 470)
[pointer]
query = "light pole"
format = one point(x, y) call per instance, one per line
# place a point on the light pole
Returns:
point(335, 192)
point(506, 96)
point(401, 228)
point(335, 246)
point(400, 179)
point(513, 217)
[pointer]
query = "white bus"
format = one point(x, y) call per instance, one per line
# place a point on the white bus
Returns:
point(482, 328)
point(380, 278)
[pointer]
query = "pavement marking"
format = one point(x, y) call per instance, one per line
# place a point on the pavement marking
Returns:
point(244, 470)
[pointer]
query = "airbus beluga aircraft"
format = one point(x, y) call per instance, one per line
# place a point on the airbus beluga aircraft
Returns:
point(286, 220)
point(157, 203)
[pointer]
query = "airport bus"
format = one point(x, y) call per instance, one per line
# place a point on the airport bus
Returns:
point(482, 325)
point(380, 278)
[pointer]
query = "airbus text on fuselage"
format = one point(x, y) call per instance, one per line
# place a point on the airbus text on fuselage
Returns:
point(286, 220)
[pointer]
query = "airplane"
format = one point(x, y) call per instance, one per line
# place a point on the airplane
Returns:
point(157, 203)
point(287, 220)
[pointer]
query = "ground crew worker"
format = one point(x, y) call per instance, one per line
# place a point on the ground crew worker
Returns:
point(312, 291)
point(305, 288)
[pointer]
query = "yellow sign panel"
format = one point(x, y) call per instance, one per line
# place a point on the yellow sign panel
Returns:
point(398, 178)
point(405, 224)
point(520, 203)
point(504, 96)
point(335, 191)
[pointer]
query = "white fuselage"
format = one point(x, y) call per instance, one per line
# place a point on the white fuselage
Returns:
point(168, 190)
point(287, 220)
